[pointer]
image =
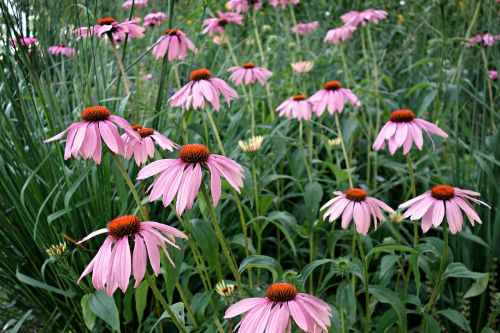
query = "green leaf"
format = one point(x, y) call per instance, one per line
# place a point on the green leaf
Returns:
point(172, 273)
point(416, 271)
point(387, 263)
point(456, 317)
point(204, 235)
point(389, 248)
point(265, 262)
point(177, 309)
point(38, 284)
point(105, 308)
point(346, 301)
point(458, 270)
point(88, 316)
point(308, 269)
point(388, 296)
point(313, 194)
point(478, 287)
point(141, 297)
point(20, 322)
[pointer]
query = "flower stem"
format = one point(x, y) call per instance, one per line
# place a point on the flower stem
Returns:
point(306, 162)
point(186, 303)
point(490, 89)
point(152, 284)
point(123, 73)
point(344, 151)
point(252, 109)
point(131, 186)
point(220, 237)
point(413, 190)
point(365, 282)
point(440, 280)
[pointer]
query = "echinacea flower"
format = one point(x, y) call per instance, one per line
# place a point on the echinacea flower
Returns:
point(203, 87)
point(303, 29)
point(355, 204)
point(62, 49)
point(403, 130)
point(298, 107)
point(339, 35)
point(224, 289)
point(112, 265)
point(84, 137)
point(485, 40)
point(145, 147)
point(302, 66)
point(283, 3)
point(333, 97)
point(493, 75)
point(23, 41)
point(273, 312)
point(154, 18)
point(249, 73)
point(175, 42)
point(242, 5)
point(117, 32)
point(356, 18)
point(215, 25)
point(183, 176)
point(83, 32)
point(136, 3)
point(251, 145)
point(432, 206)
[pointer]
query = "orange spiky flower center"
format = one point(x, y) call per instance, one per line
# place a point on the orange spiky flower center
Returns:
point(136, 127)
point(145, 132)
point(442, 192)
point(194, 153)
point(106, 21)
point(356, 194)
point(200, 74)
point(61, 44)
point(171, 32)
point(281, 292)
point(124, 226)
point(248, 65)
point(95, 113)
point(299, 97)
point(402, 116)
point(332, 85)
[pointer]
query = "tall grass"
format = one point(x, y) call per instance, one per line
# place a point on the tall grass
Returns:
point(417, 61)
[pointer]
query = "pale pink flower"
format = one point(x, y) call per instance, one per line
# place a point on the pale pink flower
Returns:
point(333, 97)
point(215, 25)
point(62, 49)
point(84, 137)
point(83, 32)
point(154, 18)
point(493, 75)
point(23, 41)
point(175, 42)
point(248, 73)
point(297, 107)
point(355, 18)
point(145, 147)
point(302, 66)
point(283, 3)
point(355, 204)
point(118, 31)
point(202, 88)
point(273, 312)
point(242, 5)
point(484, 40)
point(432, 205)
point(183, 176)
point(136, 3)
point(403, 130)
point(339, 35)
point(303, 29)
point(113, 264)
point(147, 76)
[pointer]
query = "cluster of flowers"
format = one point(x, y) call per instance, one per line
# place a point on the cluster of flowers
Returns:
point(182, 177)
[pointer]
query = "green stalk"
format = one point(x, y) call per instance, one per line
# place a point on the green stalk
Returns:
point(252, 109)
point(306, 162)
point(186, 303)
point(365, 282)
point(490, 90)
point(123, 75)
point(221, 238)
point(439, 281)
point(344, 151)
point(414, 194)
